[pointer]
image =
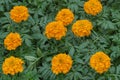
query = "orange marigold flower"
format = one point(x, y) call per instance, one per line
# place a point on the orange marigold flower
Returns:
point(66, 16)
point(12, 65)
point(100, 62)
point(93, 7)
point(93, 0)
point(19, 13)
point(12, 41)
point(55, 30)
point(82, 28)
point(61, 63)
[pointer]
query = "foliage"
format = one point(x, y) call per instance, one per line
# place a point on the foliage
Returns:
point(37, 51)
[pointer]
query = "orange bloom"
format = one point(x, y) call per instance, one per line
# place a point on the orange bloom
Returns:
point(19, 13)
point(100, 62)
point(12, 41)
point(12, 65)
point(55, 30)
point(93, 7)
point(66, 16)
point(94, 0)
point(82, 28)
point(61, 63)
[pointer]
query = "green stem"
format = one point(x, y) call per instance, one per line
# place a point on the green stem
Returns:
point(32, 64)
point(61, 77)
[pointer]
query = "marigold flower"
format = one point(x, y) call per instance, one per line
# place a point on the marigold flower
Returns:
point(61, 63)
point(93, 7)
point(100, 62)
point(66, 16)
point(82, 28)
point(55, 30)
point(93, 0)
point(12, 41)
point(19, 13)
point(12, 65)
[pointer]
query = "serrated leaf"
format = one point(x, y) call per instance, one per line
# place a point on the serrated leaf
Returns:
point(36, 36)
point(71, 51)
point(39, 52)
point(1, 8)
point(28, 42)
point(30, 58)
point(31, 20)
point(83, 45)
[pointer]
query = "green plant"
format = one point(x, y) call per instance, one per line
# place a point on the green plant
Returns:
point(37, 51)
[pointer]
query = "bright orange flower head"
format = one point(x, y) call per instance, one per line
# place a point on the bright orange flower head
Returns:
point(12, 65)
point(82, 28)
point(100, 62)
point(61, 63)
point(66, 16)
point(19, 13)
point(93, 7)
point(12, 41)
point(55, 30)
point(94, 0)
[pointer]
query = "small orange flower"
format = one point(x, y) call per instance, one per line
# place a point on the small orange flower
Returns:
point(19, 13)
point(100, 62)
point(61, 63)
point(12, 41)
point(93, 7)
point(12, 65)
point(82, 28)
point(55, 30)
point(66, 16)
point(91, 0)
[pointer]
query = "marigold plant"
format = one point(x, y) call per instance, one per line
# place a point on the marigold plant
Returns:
point(82, 28)
point(19, 13)
point(12, 41)
point(66, 16)
point(71, 28)
point(55, 30)
point(93, 7)
point(100, 62)
point(61, 63)
point(12, 65)
point(91, 0)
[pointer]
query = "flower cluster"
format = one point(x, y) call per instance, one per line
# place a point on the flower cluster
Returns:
point(55, 30)
point(12, 65)
point(12, 41)
point(66, 16)
point(61, 63)
point(82, 28)
point(93, 7)
point(100, 62)
point(19, 13)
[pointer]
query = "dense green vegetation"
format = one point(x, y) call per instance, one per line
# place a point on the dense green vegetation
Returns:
point(37, 51)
